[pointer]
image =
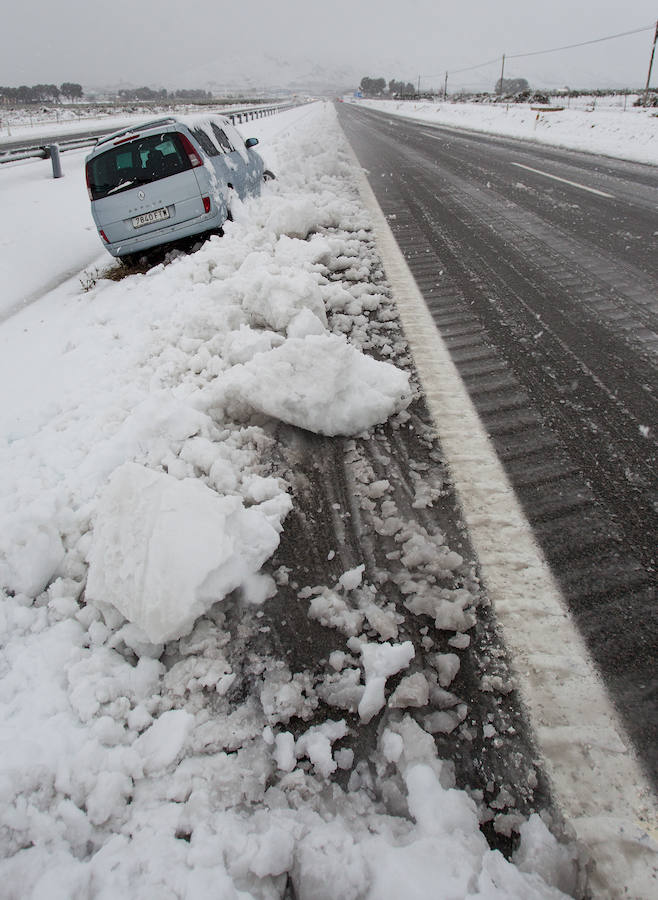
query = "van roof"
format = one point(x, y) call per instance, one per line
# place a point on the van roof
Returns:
point(190, 121)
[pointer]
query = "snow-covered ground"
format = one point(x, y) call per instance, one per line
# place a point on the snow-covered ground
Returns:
point(137, 491)
point(136, 422)
point(594, 127)
point(30, 125)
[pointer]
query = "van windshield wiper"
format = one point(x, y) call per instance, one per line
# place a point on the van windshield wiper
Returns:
point(124, 185)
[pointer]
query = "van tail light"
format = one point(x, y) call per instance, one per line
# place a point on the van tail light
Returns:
point(206, 204)
point(103, 235)
point(192, 155)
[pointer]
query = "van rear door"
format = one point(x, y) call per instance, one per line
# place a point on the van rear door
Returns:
point(143, 184)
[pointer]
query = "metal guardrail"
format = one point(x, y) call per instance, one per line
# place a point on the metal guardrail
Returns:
point(52, 150)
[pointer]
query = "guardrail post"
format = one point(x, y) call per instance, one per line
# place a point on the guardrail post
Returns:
point(53, 153)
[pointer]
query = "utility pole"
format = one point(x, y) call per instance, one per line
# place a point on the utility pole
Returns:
point(418, 91)
point(653, 50)
point(502, 74)
point(445, 88)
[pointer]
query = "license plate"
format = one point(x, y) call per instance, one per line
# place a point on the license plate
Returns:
point(156, 215)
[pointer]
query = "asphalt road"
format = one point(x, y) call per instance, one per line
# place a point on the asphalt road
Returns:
point(540, 269)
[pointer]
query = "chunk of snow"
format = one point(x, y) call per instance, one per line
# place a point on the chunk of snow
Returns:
point(305, 323)
point(412, 691)
point(330, 864)
point(342, 689)
point(159, 746)
point(460, 641)
point(164, 551)
point(377, 489)
point(351, 579)
point(380, 661)
point(294, 217)
point(441, 722)
point(337, 659)
point(240, 346)
point(320, 383)
point(447, 665)
point(332, 611)
point(344, 758)
point(391, 745)
point(283, 697)
point(539, 852)
point(384, 621)
point(316, 744)
point(31, 552)
point(274, 297)
point(284, 751)
point(450, 609)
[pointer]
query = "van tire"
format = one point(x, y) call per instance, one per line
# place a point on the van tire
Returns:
point(268, 176)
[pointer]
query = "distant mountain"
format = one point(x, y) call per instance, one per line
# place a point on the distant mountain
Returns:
point(266, 74)
point(269, 73)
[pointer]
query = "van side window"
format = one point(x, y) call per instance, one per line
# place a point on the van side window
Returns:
point(222, 139)
point(205, 141)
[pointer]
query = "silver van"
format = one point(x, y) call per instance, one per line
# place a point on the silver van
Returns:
point(158, 182)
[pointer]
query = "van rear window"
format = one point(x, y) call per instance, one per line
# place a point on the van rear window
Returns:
point(136, 162)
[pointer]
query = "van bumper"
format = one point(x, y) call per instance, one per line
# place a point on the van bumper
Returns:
point(167, 235)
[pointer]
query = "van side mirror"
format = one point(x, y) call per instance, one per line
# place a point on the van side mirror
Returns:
point(250, 142)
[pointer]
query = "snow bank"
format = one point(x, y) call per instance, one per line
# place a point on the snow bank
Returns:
point(626, 135)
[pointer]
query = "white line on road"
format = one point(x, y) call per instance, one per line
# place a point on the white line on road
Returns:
point(596, 777)
point(583, 187)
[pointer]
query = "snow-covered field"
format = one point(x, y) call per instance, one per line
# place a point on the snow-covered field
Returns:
point(31, 125)
point(595, 128)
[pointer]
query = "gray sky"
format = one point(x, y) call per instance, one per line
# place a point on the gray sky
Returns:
point(177, 44)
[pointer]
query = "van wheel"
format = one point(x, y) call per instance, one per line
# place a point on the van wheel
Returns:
point(268, 176)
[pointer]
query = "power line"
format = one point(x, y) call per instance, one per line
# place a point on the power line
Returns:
point(582, 44)
point(469, 68)
point(490, 62)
